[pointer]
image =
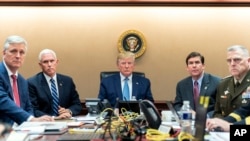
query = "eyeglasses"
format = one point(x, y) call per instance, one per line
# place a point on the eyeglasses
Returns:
point(235, 60)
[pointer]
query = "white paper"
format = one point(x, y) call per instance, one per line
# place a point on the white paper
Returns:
point(75, 123)
point(32, 129)
point(86, 118)
point(219, 136)
point(17, 136)
point(41, 127)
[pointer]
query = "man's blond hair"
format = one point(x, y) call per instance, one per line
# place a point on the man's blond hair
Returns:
point(126, 54)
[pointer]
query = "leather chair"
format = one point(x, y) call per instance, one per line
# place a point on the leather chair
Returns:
point(104, 74)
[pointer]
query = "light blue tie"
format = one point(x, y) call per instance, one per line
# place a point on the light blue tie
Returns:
point(55, 97)
point(126, 90)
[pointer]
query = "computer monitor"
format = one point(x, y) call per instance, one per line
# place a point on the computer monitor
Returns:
point(151, 114)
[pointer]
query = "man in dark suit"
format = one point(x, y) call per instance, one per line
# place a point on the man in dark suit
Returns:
point(112, 87)
point(207, 84)
point(15, 103)
point(41, 94)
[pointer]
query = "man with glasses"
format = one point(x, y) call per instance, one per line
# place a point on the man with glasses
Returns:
point(234, 91)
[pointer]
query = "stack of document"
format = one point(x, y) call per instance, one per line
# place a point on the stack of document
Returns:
point(87, 119)
point(43, 127)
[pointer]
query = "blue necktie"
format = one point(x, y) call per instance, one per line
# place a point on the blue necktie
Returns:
point(55, 97)
point(125, 90)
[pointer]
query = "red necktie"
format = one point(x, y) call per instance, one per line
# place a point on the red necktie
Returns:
point(196, 93)
point(15, 90)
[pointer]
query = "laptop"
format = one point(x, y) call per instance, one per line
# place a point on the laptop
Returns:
point(200, 120)
point(129, 106)
point(174, 112)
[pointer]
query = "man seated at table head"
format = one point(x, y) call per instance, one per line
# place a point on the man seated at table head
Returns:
point(112, 87)
point(52, 93)
point(14, 97)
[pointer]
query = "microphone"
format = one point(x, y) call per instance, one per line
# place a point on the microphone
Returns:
point(116, 103)
point(116, 107)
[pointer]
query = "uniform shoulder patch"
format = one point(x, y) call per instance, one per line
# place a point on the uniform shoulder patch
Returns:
point(229, 76)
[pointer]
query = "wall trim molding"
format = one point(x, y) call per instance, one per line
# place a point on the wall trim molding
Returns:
point(200, 3)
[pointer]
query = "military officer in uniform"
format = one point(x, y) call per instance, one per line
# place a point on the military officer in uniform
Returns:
point(240, 116)
point(234, 91)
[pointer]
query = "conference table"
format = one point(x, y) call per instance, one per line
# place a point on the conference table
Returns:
point(85, 126)
point(55, 137)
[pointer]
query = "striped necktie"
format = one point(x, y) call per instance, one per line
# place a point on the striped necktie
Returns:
point(55, 97)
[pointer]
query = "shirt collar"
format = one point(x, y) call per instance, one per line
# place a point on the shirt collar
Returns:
point(123, 77)
point(8, 70)
point(199, 80)
point(48, 77)
point(235, 80)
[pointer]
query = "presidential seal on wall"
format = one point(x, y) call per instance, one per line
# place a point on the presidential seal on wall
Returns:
point(133, 41)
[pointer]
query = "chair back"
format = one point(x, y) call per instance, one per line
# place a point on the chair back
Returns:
point(105, 74)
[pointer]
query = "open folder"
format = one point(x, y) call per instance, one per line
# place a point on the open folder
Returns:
point(43, 127)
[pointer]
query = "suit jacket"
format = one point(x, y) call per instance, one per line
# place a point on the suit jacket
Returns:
point(110, 88)
point(230, 98)
point(9, 111)
point(184, 91)
point(41, 98)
